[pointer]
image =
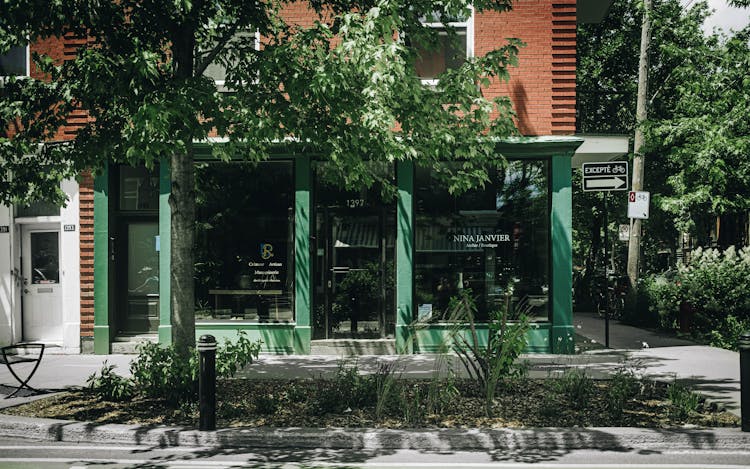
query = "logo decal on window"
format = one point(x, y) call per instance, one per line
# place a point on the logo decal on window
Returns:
point(266, 250)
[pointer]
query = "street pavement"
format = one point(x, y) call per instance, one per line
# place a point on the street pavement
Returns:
point(714, 372)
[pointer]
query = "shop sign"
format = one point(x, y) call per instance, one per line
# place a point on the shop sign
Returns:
point(490, 240)
point(267, 273)
point(4, 229)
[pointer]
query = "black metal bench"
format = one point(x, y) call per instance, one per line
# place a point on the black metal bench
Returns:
point(11, 359)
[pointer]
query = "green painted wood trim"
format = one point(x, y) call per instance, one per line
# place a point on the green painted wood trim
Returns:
point(302, 258)
point(436, 338)
point(302, 340)
point(276, 338)
point(404, 257)
point(535, 147)
point(101, 263)
point(165, 228)
point(512, 147)
point(561, 222)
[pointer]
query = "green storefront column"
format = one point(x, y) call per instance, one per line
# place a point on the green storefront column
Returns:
point(302, 261)
point(165, 228)
point(101, 263)
point(404, 257)
point(562, 336)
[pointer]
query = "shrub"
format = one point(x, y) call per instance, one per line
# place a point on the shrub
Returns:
point(623, 386)
point(714, 286)
point(108, 385)
point(162, 373)
point(659, 301)
point(346, 390)
point(233, 356)
point(683, 401)
point(576, 387)
point(487, 365)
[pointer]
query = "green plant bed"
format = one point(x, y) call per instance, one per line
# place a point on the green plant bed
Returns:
point(354, 400)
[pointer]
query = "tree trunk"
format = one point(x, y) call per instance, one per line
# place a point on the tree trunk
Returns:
point(182, 204)
point(182, 292)
point(634, 246)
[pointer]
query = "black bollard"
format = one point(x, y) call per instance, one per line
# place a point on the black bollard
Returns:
point(745, 380)
point(207, 382)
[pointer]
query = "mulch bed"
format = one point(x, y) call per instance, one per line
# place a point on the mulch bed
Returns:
point(410, 404)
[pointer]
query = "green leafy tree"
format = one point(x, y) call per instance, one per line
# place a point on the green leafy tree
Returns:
point(345, 87)
point(607, 84)
point(706, 138)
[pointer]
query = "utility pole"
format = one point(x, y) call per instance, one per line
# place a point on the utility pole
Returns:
point(641, 114)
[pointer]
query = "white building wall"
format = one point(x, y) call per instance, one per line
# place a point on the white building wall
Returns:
point(7, 277)
point(70, 269)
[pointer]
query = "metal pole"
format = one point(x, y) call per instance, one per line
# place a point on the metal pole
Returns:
point(207, 382)
point(606, 279)
point(744, 345)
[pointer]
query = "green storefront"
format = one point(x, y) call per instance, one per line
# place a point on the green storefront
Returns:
point(285, 255)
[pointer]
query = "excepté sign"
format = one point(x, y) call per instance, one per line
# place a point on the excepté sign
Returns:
point(605, 176)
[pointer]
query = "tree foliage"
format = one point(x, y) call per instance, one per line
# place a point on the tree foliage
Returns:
point(706, 137)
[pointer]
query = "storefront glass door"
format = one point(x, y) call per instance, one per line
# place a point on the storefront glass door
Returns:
point(141, 275)
point(354, 264)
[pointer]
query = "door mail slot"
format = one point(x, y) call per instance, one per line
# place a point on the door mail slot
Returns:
point(44, 290)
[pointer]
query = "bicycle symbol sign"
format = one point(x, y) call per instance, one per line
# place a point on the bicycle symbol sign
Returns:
point(605, 176)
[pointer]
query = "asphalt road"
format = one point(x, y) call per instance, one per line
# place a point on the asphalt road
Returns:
point(23, 454)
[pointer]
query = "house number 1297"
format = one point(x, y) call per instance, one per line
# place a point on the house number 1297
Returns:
point(355, 203)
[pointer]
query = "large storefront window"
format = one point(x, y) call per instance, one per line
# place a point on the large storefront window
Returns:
point(244, 242)
point(492, 240)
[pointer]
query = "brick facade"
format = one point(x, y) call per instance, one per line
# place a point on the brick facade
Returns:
point(542, 90)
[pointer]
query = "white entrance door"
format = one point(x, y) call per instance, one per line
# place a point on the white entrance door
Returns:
point(42, 305)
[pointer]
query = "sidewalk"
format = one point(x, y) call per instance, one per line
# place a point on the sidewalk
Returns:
point(713, 372)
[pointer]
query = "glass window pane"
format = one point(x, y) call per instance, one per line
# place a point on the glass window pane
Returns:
point(244, 241)
point(448, 53)
point(143, 259)
point(45, 258)
point(13, 63)
point(139, 188)
point(493, 240)
point(237, 46)
point(38, 209)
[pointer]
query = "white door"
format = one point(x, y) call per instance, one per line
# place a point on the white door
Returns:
point(42, 305)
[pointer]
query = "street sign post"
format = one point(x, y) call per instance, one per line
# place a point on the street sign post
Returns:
point(605, 176)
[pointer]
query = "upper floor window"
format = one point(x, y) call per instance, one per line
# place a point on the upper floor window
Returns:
point(455, 42)
point(241, 40)
point(15, 62)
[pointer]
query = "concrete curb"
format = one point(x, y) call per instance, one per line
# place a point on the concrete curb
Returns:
point(561, 439)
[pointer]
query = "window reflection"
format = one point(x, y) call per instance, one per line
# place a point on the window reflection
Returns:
point(45, 257)
point(139, 188)
point(244, 245)
point(493, 241)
